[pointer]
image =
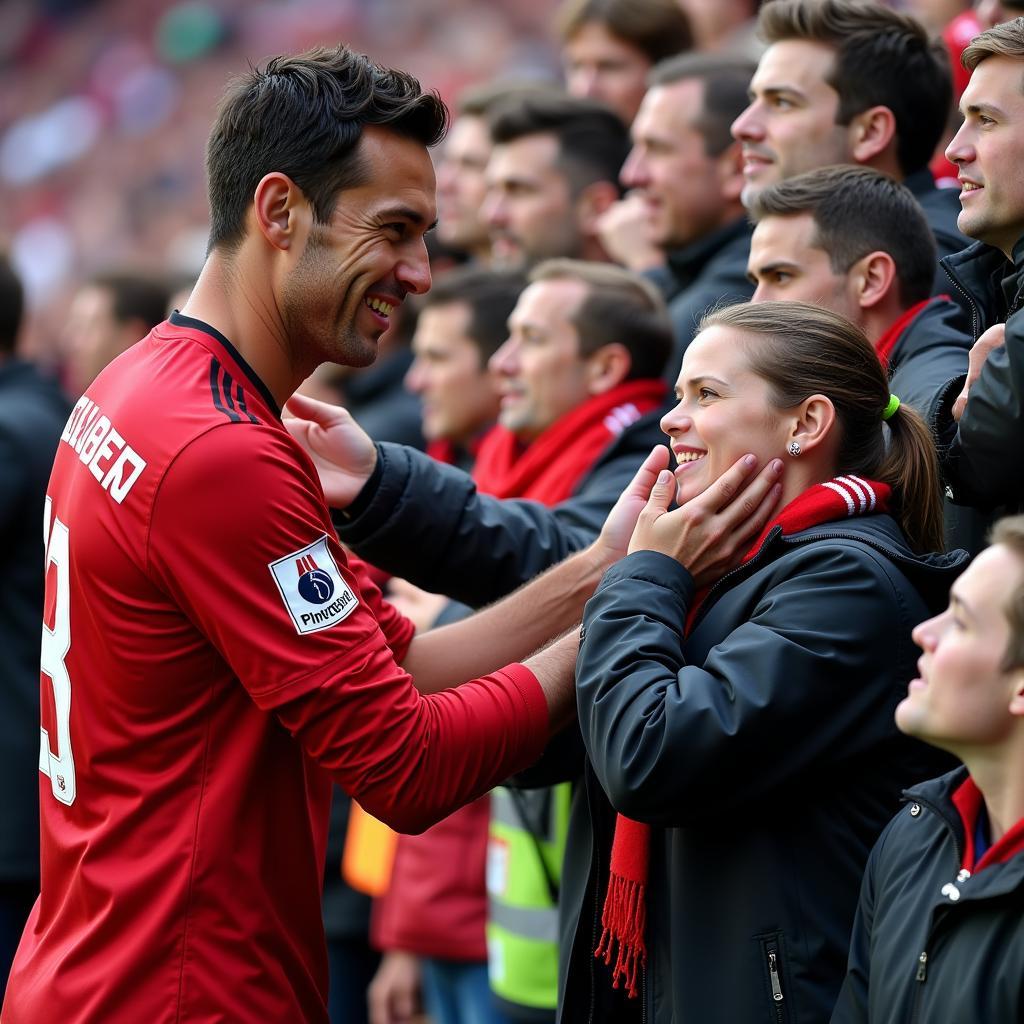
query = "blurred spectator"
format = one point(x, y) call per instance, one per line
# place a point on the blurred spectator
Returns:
point(608, 47)
point(32, 415)
point(724, 26)
point(109, 314)
point(553, 171)
point(685, 169)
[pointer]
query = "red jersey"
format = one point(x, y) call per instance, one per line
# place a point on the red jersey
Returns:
point(210, 662)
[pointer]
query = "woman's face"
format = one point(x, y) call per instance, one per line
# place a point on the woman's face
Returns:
point(722, 414)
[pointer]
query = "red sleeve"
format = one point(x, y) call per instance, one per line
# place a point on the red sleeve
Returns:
point(241, 539)
point(398, 629)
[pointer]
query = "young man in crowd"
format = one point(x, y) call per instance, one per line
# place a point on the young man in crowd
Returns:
point(937, 935)
point(553, 171)
point(684, 171)
point(843, 81)
point(980, 419)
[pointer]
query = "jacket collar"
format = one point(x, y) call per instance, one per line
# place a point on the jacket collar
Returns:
point(993, 285)
point(689, 260)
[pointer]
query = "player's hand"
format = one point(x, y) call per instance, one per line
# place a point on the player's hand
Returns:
point(625, 232)
point(993, 338)
point(711, 533)
point(394, 994)
point(613, 541)
point(341, 450)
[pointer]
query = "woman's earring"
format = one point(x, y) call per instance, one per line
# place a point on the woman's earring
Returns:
point(794, 448)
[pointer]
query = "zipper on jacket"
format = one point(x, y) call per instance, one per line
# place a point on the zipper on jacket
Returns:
point(774, 977)
point(955, 281)
point(922, 966)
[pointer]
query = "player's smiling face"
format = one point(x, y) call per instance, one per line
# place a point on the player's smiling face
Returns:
point(354, 271)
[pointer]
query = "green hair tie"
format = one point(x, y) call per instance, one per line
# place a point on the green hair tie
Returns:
point(894, 404)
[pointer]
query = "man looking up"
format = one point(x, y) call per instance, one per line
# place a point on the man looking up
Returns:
point(685, 169)
point(844, 81)
point(227, 662)
point(553, 171)
point(937, 935)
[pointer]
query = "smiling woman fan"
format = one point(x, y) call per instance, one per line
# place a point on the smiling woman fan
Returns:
point(736, 684)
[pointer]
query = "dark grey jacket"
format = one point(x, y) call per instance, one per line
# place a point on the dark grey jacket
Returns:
point(711, 272)
point(918, 953)
point(32, 415)
point(982, 457)
point(762, 748)
point(428, 523)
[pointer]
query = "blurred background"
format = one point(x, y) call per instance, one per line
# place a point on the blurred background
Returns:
point(105, 106)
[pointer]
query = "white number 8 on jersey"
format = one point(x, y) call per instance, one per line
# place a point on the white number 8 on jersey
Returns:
point(59, 766)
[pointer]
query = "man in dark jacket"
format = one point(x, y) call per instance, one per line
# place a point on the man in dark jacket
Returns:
point(937, 936)
point(685, 169)
point(854, 240)
point(32, 414)
point(844, 81)
point(982, 423)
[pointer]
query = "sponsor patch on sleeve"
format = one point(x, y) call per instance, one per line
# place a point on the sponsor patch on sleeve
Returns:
point(313, 590)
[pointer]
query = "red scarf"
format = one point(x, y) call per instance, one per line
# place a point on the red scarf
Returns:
point(550, 467)
point(887, 342)
point(624, 914)
point(967, 799)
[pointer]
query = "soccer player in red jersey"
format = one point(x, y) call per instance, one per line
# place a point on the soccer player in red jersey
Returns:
point(211, 659)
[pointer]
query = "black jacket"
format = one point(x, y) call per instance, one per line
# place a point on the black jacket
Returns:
point(32, 415)
point(428, 523)
point(982, 457)
point(918, 953)
point(710, 272)
point(762, 748)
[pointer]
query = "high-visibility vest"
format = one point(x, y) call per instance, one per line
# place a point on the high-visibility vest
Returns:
point(526, 846)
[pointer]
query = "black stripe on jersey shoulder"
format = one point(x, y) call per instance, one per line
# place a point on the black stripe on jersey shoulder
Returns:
point(181, 320)
point(216, 371)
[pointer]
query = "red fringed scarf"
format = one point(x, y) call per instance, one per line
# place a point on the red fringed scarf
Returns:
point(624, 915)
point(549, 468)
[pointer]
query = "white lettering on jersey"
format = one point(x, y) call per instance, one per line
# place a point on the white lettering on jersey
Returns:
point(313, 590)
point(96, 441)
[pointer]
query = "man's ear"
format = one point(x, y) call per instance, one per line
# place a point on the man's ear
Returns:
point(280, 210)
point(1017, 694)
point(729, 168)
point(592, 201)
point(873, 277)
point(607, 368)
point(872, 132)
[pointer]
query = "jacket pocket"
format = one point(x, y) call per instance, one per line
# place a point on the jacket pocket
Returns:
point(772, 953)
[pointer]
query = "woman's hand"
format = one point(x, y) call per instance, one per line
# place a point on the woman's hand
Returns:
point(613, 541)
point(711, 533)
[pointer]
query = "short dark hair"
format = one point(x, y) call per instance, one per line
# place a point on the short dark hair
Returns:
point(858, 210)
point(726, 91)
point(12, 305)
point(303, 116)
point(1010, 533)
point(134, 297)
point(592, 140)
point(490, 295)
point(883, 58)
point(657, 28)
point(619, 307)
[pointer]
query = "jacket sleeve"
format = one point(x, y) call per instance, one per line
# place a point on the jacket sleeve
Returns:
point(983, 463)
point(852, 1005)
point(937, 357)
point(809, 678)
point(428, 523)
